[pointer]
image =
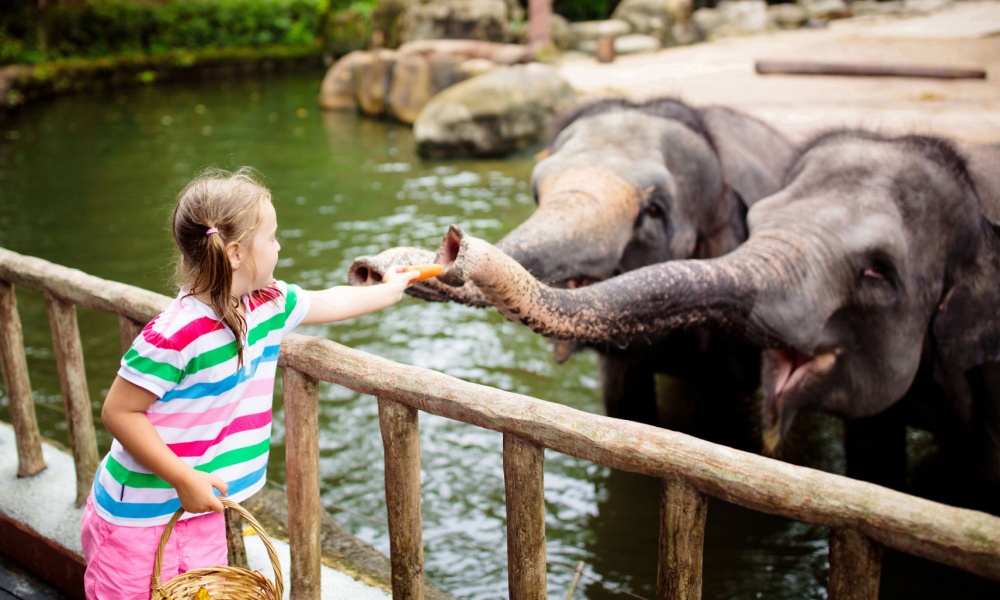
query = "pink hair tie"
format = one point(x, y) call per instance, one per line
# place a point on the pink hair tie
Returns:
point(211, 231)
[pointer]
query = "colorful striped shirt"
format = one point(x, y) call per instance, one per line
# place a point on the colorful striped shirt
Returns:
point(213, 414)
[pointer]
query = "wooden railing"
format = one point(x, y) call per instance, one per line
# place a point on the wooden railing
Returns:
point(863, 518)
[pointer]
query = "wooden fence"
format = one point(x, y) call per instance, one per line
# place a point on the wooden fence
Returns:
point(863, 518)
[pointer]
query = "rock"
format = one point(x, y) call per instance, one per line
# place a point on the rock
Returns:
point(373, 80)
point(862, 8)
point(925, 6)
point(733, 17)
point(338, 90)
point(486, 20)
point(632, 43)
point(475, 67)
point(669, 21)
point(708, 21)
point(493, 114)
point(591, 30)
point(417, 78)
point(826, 10)
point(507, 54)
point(560, 32)
point(635, 43)
point(412, 87)
point(787, 16)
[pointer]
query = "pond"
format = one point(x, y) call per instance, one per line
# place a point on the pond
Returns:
point(87, 181)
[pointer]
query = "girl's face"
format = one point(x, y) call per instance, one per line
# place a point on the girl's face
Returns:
point(264, 248)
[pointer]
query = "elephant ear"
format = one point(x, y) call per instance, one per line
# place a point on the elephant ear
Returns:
point(966, 325)
point(753, 155)
point(730, 229)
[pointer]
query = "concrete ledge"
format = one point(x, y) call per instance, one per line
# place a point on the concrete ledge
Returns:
point(41, 509)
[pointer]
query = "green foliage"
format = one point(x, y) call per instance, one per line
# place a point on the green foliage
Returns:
point(121, 27)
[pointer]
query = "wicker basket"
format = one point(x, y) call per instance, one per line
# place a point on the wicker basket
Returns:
point(222, 582)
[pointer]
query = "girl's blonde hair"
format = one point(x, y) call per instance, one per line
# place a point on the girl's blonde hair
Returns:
point(229, 202)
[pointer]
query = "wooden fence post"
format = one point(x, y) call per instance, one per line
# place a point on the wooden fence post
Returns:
point(128, 330)
point(524, 486)
point(302, 480)
point(855, 566)
point(682, 539)
point(14, 366)
point(401, 440)
point(76, 397)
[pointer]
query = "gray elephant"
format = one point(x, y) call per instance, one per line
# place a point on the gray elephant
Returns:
point(870, 281)
point(624, 185)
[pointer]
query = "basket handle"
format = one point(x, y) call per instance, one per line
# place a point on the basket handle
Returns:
point(279, 585)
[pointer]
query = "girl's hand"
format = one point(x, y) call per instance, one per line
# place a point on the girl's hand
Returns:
point(195, 492)
point(399, 276)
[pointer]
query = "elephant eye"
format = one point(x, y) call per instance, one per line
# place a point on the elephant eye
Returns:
point(654, 211)
point(874, 272)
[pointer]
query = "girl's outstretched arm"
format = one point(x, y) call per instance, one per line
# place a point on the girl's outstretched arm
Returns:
point(345, 302)
point(124, 416)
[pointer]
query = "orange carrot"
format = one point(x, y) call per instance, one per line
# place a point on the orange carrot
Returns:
point(426, 271)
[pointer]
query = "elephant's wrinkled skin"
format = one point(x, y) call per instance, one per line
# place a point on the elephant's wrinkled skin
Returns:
point(875, 267)
point(625, 185)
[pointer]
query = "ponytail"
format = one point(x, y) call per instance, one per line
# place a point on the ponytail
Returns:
point(215, 210)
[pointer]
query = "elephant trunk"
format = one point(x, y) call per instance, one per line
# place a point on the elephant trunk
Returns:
point(369, 270)
point(649, 301)
point(583, 222)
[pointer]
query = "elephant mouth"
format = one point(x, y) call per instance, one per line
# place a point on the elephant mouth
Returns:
point(791, 370)
point(582, 281)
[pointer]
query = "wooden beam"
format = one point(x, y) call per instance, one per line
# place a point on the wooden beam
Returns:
point(14, 365)
point(401, 440)
point(302, 482)
point(76, 396)
point(799, 67)
point(524, 486)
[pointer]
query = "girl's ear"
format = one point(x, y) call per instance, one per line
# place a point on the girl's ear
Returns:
point(235, 253)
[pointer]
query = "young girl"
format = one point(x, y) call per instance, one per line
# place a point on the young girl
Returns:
point(190, 410)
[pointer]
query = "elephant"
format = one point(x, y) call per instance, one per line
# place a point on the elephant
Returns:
point(623, 185)
point(870, 281)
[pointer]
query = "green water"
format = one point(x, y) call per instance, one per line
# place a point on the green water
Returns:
point(87, 181)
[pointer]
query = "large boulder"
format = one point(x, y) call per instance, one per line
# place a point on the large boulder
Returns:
point(493, 114)
point(338, 90)
point(398, 83)
point(373, 80)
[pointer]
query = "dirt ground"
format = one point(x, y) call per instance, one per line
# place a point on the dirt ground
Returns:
point(965, 34)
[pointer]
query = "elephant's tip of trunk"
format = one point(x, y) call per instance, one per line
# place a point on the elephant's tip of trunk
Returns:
point(362, 272)
point(451, 246)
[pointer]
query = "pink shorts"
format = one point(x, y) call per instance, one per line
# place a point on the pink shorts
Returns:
point(120, 559)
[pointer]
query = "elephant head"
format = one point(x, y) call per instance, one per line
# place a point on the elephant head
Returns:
point(876, 255)
point(623, 185)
